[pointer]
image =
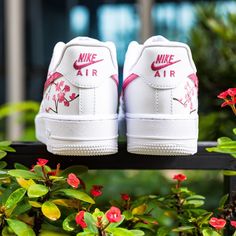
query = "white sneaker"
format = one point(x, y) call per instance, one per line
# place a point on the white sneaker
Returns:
point(160, 90)
point(78, 114)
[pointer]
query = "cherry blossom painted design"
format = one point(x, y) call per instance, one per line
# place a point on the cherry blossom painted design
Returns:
point(61, 96)
point(186, 100)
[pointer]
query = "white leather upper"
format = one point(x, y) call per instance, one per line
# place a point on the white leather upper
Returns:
point(163, 85)
point(85, 85)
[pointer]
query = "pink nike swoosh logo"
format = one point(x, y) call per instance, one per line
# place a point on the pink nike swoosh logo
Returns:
point(153, 67)
point(81, 66)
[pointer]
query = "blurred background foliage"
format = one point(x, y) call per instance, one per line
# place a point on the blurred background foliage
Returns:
point(212, 40)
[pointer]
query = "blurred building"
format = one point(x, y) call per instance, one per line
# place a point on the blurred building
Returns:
point(40, 24)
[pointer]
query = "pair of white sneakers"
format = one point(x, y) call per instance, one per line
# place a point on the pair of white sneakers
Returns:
point(79, 111)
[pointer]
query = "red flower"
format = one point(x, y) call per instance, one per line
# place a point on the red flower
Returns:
point(79, 219)
point(42, 162)
point(229, 102)
point(223, 95)
point(233, 223)
point(180, 177)
point(125, 197)
point(113, 215)
point(231, 92)
point(73, 181)
point(217, 223)
point(96, 190)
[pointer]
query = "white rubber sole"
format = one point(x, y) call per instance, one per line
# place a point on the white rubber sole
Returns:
point(78, 135)
point(166, 135)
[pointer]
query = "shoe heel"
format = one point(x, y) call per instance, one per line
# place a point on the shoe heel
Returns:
point(78, 135)
point(170, 135)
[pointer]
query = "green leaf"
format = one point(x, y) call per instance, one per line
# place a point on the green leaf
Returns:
point(120, 232)
point(183, 229)
point(148, 219)
point(69, 223)
point(141, 225)
point(209, 232)
point(2, 154)
point(139, 210)
point(234, 131)
point(128, 215)
point(85, 234)
point(223, 140)
point(37, 190)
point(195, 200)
point(91, 222)
point(20, 166)
point(229, 172)
point(234, 233)
point(5, 143)
point(21, 208)
point(6, 231)
point(163, 231)
point(7, 149)
point(39, 171)
point(35, 204)
point(136, 232)
point(223, 200)
point(77, 195)
point(204, 218)
point(72, 203)
point(14, 198)
point(23, 173)
point(20, 228)
point(3, 164)
point(51, 233)
point(76, 169)
point(114, 225)
point(51, 211)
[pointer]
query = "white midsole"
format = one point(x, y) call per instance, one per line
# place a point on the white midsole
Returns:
point(68, 128)
point(162, 134)
point(162, 127)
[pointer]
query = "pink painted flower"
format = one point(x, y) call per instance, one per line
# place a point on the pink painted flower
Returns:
point(66, 103)
point(61, 97)
point(67, 88)
point(125, 197)
point(217, 223)
point(180, 177)
point(59, 85)
point(113, 215)
point(233, 223)
point(79, 219)
point(72, 96)
point(42, 162)
point(54, 97)
point(73, 181)
point(96, 190)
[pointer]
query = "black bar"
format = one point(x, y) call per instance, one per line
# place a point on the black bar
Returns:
point(28, 152)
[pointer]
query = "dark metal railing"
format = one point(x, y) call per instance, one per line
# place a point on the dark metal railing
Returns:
point(27, 153)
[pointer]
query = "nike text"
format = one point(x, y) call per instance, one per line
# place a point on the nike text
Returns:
point(162, 61)
point(86, 60)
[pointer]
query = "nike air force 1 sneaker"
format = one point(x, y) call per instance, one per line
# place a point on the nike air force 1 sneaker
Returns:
point(160, 91)
point(78, 113)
